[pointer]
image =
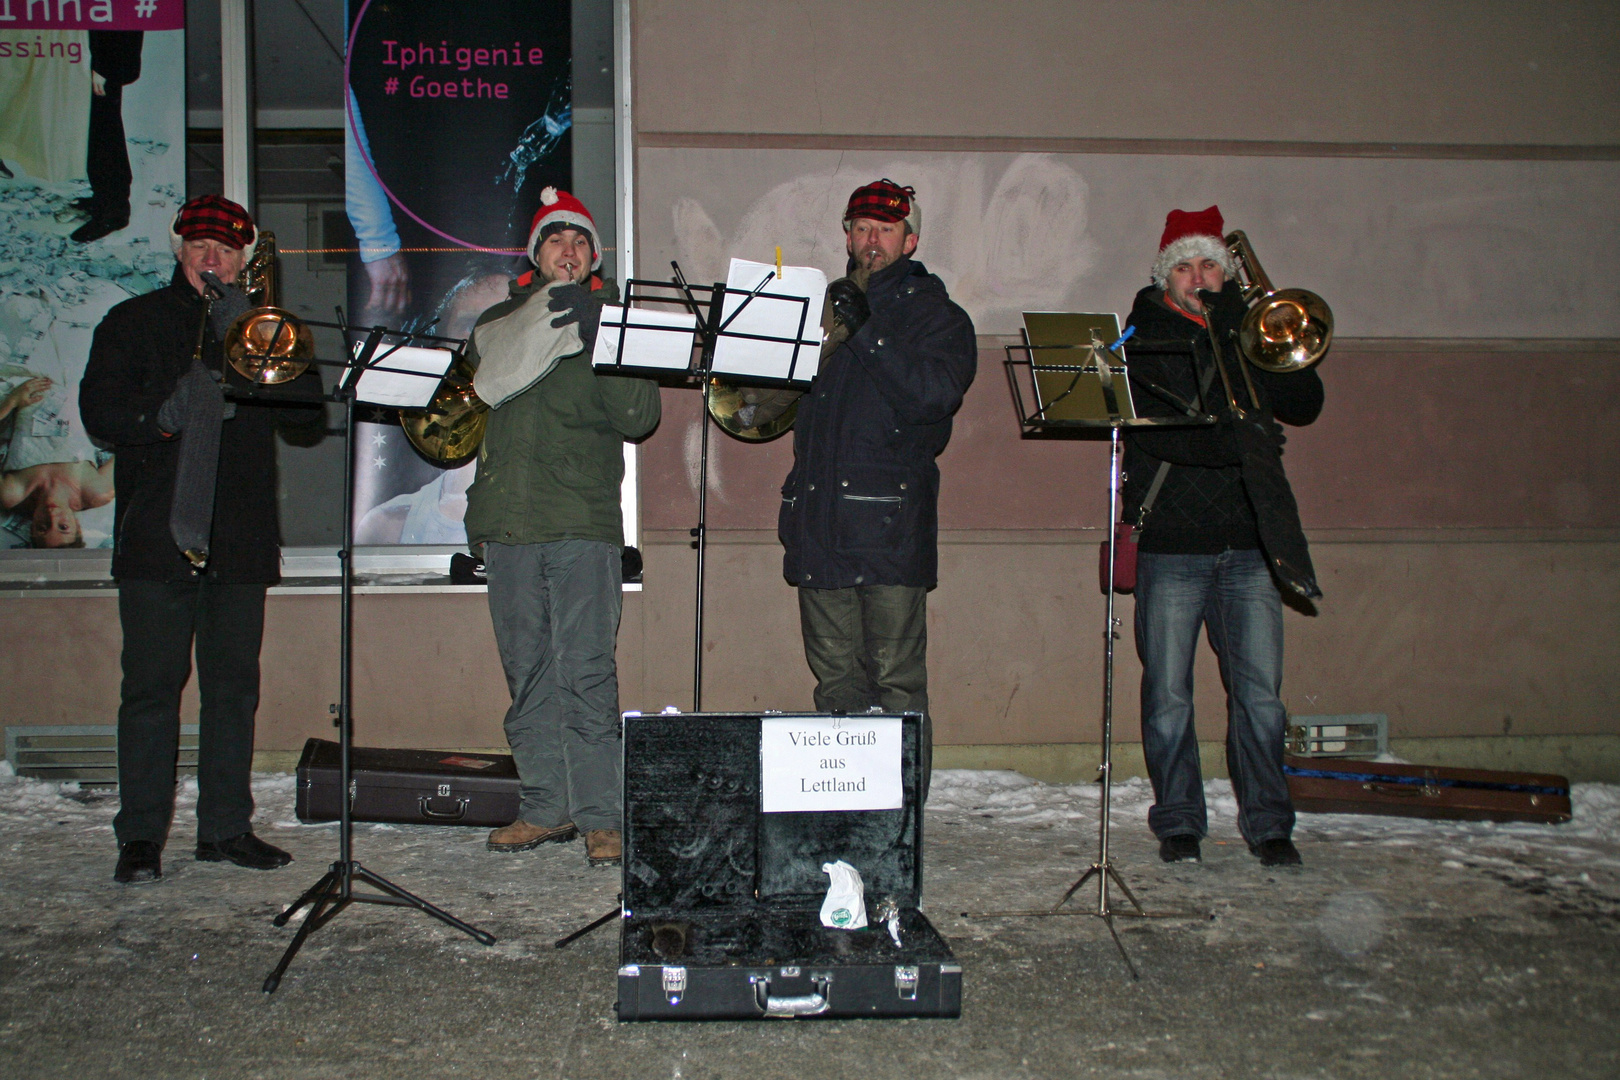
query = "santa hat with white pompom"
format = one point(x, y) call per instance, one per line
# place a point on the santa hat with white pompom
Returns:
point(560, 210)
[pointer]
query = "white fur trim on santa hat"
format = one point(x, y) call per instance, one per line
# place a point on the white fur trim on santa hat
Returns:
point(175, 239)
point(1196, 246)
point(564, 214)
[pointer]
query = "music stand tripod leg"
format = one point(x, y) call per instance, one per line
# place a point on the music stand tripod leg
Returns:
point(324, 892)
point(410, 899)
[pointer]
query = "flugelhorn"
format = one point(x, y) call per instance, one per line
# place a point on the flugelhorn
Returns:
point(267, 344)
point(1285, 329)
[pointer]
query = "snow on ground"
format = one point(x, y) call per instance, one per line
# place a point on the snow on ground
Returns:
point(1591, 838)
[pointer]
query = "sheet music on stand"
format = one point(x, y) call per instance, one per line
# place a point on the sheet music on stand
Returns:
point(660, 340)
point(770, 325)
point(401, 377)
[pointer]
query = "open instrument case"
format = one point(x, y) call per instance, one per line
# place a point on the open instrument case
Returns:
point(721, 902)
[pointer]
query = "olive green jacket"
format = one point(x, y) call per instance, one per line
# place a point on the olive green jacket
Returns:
point(553, 456)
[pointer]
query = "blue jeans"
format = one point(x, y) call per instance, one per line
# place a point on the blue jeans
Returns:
point(555, 609)
point(1231, 594)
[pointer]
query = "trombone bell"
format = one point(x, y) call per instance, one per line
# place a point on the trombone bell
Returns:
point(1285, 329)
point(268, 344)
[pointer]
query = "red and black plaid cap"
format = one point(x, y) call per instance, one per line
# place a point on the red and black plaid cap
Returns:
point(881, 200)
point(215, 217)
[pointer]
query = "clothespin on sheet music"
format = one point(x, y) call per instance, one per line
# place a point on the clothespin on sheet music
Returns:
point(778, 262)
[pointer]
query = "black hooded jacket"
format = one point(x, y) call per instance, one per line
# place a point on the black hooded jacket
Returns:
point(140, 350)
point(860, 506)
point(1203, 508)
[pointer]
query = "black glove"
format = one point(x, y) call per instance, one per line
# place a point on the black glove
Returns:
point(191, 388)
point(849, 304)
point(578, 304)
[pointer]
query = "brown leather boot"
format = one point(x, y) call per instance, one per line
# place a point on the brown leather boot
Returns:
point(604, 847)
point(521, 836)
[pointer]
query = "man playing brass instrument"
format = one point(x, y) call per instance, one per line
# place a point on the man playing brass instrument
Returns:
point(1201, 562)
point(545, 507)
point(859, 520)
point(152, 390)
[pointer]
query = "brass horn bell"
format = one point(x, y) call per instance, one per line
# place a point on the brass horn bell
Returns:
point(451, 428)
point(1285, 329)
point(267, 344)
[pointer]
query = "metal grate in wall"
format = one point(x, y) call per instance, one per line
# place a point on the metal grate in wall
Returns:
point(1355, 735)
point(83, 752)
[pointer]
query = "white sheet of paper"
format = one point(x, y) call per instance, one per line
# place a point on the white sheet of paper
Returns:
point(665, 349)
point(745, 357)
point(830, 763)
point(412, 376)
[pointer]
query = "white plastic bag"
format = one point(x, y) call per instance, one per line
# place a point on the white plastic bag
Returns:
point(845, 905)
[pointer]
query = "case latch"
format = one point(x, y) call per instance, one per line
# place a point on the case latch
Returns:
point(905, 981)
point(674, 984)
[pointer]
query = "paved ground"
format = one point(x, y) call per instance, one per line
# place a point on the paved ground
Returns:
point(1402, 949)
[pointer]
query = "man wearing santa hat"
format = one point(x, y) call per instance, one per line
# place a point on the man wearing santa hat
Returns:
point(545, 508)
point(859, 520)
point(1201, 563)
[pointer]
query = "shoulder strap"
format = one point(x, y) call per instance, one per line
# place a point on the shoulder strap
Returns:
point(1152, 492)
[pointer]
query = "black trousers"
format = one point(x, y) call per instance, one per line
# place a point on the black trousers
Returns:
point(107, 164)
point(161, 620)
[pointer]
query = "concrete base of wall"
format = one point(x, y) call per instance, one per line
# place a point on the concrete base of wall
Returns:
point(1579, 757)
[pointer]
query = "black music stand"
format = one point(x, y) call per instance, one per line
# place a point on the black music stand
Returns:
point(336, 888)
point(713, 324)
point(1100, 364)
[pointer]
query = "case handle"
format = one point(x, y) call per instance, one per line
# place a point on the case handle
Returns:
point(790, 1007)
point(425, 804)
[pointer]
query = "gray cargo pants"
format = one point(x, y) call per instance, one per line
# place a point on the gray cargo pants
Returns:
point(555, 608)
point(866, 646)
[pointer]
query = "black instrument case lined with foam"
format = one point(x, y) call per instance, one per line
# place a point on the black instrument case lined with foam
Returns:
point(722, 902)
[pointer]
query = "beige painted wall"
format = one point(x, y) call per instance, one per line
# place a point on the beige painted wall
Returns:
point(1465, 71)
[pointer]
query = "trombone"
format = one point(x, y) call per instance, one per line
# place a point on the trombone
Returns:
point(267, 344)
point(1285, 329)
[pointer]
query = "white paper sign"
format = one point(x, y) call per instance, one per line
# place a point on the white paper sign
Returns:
point(830, 763)
point(770, 316)
point(654, 339)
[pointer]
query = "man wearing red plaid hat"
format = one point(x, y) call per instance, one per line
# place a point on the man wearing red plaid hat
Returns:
point(859, 521)
point(1201, 563)
point(545, 508)
point(166, 417)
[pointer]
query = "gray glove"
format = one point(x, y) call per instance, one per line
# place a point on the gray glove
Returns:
point(192, 390)
point(230, 304)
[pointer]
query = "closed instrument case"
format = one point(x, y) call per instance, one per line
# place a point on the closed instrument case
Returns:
point(1343, 786)
point(408, 787)
point(722, 902)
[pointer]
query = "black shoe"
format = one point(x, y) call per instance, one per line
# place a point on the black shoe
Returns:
point(245, 850)
point(5, 173)
point(1182, 848)
point(97, 227)
point(1278, 851)
point(139, 861)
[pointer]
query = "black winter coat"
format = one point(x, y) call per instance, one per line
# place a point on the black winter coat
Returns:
point(860, 506)
point(140, 350)
point(1203, 508)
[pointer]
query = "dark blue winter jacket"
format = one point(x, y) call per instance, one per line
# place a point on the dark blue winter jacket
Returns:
point(861, 504)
